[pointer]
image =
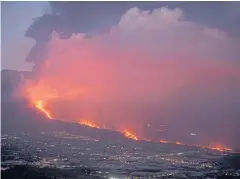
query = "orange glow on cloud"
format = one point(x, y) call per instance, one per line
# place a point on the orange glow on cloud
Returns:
point(131, 73)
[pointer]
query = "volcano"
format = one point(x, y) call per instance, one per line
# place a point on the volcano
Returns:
point(18, 116)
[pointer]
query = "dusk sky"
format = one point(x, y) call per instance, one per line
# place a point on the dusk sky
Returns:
point(17, 17)
point(127, 65)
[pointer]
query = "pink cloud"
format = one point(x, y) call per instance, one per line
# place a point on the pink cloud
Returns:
point(133, 74)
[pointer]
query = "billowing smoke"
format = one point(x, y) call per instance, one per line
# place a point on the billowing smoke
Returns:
point(153, 68)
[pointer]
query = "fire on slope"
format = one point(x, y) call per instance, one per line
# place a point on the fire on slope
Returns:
point(220, 148)
point(130, 135)
point(34, 93)
point(88, 123)
point(40, 105)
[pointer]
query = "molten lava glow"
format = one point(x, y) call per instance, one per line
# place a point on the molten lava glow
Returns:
point(170, 142)
point(179, 143)
point(164, 141)
point(88, 123)
point(42, 92)
point(219, 148)
point(130, 135)
point(39, 105)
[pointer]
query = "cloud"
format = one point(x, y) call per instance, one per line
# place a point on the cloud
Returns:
point(152, 67)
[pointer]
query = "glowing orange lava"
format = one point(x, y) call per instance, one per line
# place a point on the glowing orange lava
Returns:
point(88, 123)
point(130, 135)
point(179, 143)
point(164, 141)
point(170, 142)
point(39, 105)
point(219, 148)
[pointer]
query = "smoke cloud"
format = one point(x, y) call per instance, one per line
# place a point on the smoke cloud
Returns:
point(153, 68)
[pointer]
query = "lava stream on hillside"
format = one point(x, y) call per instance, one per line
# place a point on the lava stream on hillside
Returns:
point(39, 105)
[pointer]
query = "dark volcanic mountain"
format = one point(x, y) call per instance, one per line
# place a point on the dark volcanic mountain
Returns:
point(19, 116)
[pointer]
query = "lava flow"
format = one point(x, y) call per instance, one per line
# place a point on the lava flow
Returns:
point(39, 105)
point(164, 141)
point(220, 148)
point(170, 142)
point(88, 123)
point(130, 135)
point(179, 143)
point(217, 147)
point(93, 125)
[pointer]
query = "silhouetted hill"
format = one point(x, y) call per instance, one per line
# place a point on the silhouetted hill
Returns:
point(31, 172)
point(18, 116)
point(9, 82)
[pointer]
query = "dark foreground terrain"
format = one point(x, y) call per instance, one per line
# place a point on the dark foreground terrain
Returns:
point(50, 155)
point(28, 172)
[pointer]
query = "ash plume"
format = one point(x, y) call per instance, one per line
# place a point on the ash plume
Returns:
point(152, 67)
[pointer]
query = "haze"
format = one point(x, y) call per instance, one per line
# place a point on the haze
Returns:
point(151, 68)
